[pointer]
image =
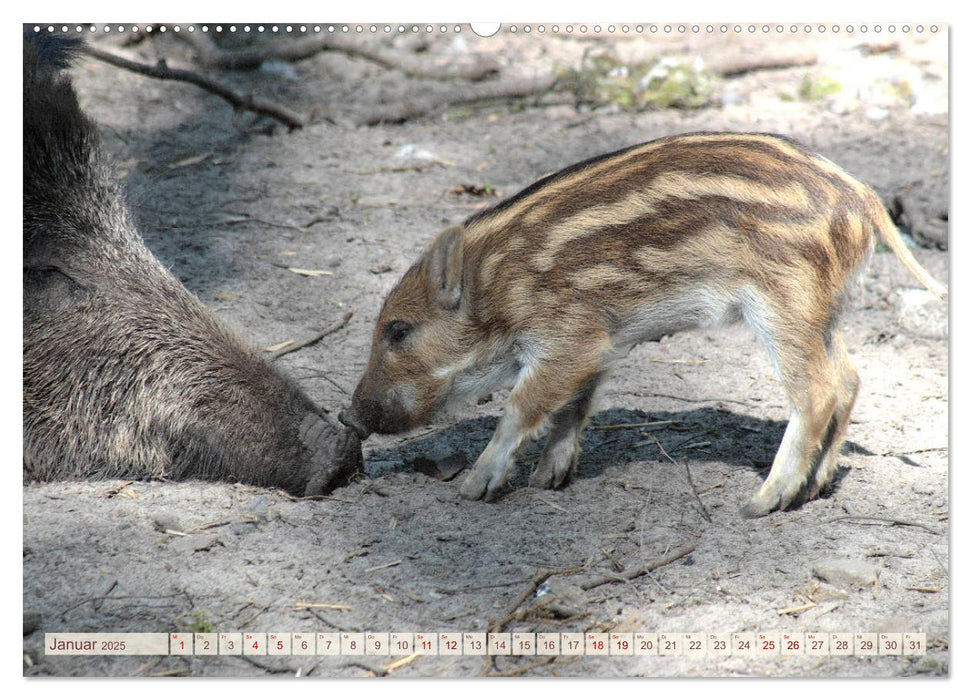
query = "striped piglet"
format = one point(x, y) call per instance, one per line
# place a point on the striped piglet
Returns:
point(546, 289)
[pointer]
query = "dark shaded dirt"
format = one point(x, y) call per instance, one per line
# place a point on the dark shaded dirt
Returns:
point(230, 205)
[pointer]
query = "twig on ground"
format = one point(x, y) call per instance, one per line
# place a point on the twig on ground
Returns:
point(210, 55)
point(732, 65)
point(414, 108)
point(894, 453)
point(222, 523)
point(550, 503)
point(694, 399)
point(466, 589)
point(326, 378)
point(115, 490)
point(101, 599)
point(244, 624)
point(797, 609)
point(293, 347)
point(322, 606)
point(235, 218)
point(538, 580)
point(694, 490)
point(883, 519)
point(640, 570)
point(520, 670)
point(322, 497)
point(676, 362)
point(395, 665)
point(172, 672)
point(329, 623)
point(625, 426)
point(383, 566)
point(162, 71)
point(266, 667)
point(473, 67)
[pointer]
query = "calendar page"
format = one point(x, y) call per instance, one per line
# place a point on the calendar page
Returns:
point(442, 349)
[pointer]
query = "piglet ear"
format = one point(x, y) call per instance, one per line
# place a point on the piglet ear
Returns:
point(445, 268)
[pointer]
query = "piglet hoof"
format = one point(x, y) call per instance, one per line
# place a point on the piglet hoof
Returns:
point(542, 478)
point(335, 453)
point(768, 500)
point(475, 485)
point(755, 509)
point(482, 484)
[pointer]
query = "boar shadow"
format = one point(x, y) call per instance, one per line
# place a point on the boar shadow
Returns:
point(704, 434)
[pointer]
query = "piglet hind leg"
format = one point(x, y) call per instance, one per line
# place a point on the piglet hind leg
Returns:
point(562, 451)
point(821, 394)
point(849, 384)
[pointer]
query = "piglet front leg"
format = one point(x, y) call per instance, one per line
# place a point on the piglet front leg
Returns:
point(559, 385)
point(496, 463)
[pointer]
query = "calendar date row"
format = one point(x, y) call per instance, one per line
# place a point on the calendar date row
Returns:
point(765, 644)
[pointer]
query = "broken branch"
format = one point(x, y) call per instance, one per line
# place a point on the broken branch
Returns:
point(881, 519)
point(640, 570)
point(414, 108)
point(162, 71)
point(293, 347)
point(691, 483)
point(457, 68)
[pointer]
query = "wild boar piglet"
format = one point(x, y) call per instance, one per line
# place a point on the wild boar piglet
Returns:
point(547, 289)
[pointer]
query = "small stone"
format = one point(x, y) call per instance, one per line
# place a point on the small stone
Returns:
point(278, 68)
point(443, 469)
point(731, 97)
point(844, 573)
point(413, 151)
point(166, 522)
point(562, 598)
point(921, 313)
point(241, 529)
point(825, 593)
point(193, 543)
point(895, 623)
point(31, 621)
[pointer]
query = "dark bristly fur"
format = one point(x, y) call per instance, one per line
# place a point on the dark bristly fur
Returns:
point(126, 374)
point(545, 290)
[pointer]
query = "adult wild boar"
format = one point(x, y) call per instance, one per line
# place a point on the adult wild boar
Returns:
point(127, 374)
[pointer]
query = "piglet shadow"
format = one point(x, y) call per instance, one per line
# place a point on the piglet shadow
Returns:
point(613, 437)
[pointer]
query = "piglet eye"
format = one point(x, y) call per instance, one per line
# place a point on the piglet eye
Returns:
point(397, 331)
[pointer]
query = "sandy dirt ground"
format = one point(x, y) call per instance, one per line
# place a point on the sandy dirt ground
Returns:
point(230, 202)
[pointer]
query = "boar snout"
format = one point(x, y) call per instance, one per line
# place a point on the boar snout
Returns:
point(334, 453)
